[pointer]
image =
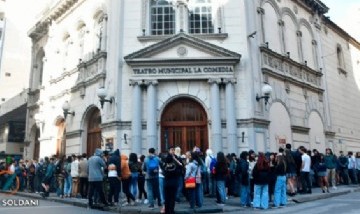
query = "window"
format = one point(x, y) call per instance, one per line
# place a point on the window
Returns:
point(200, 17)
point(81, 37)
point(162, 17)
point(340, 57)
point(340, 60)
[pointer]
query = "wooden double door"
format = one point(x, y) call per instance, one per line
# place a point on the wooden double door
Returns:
point(184, 124)
point(94, 138)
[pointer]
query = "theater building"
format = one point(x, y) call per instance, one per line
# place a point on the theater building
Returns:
point(228, 75)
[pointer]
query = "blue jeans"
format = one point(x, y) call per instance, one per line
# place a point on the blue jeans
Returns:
point(261, 196)
point(220, 184)
point(68, 185)
point(134, 183)
point(161, 189)
point(280, 191)
point(245, 195)
point(153, 190)
point(196, 196)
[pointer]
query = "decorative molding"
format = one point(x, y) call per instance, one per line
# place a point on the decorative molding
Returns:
point(252, 122)
point(284, 68)
point(300, 129)
point(120, 125)
point(74, 134)
point(221, 56)
point(329, 134)
point(210, 36)
point(62, 76)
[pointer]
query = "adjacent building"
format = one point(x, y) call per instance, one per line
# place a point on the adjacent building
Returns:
point(227, 75)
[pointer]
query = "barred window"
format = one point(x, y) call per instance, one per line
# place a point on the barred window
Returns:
point(162, 17)
point(200, 17)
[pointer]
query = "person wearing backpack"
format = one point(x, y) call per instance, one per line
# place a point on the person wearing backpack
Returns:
point(151, 167)
point(210, 162)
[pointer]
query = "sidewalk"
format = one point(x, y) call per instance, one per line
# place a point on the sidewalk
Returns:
point(209, 206)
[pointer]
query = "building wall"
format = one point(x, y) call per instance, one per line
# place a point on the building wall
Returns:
point(282, 43)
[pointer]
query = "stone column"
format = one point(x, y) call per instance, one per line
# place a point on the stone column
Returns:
point(215, 115)
point(151, 123)
point(232, 143)
point(136, 127)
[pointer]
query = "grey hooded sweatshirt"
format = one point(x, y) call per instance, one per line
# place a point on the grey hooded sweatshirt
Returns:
point(96, 165)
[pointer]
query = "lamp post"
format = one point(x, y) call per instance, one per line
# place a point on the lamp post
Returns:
point(102, 93)
point(66, 109)
point(266, 92)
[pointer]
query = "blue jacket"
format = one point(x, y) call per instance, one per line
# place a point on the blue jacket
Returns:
point(96, 165)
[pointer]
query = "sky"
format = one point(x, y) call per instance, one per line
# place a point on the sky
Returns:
point(346, 14)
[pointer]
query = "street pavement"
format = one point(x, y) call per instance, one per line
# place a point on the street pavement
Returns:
point(342, 204)
point(76, 205)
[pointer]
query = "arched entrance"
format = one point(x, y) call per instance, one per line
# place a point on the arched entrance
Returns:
point(61, 137)
point(184, 124)
point(93, 132)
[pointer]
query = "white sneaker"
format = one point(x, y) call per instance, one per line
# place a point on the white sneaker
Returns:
point(138, 201)
point(334, 187)
point(125, 204)
point(146, 201)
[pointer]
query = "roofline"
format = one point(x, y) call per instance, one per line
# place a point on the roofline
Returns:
point(327, 21)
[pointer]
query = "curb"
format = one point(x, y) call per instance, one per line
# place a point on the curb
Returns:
point(118, 210)
point(324, 196)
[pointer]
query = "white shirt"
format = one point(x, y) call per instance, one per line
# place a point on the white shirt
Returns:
point(352, 162)
point(306, 162)
point(75, 168)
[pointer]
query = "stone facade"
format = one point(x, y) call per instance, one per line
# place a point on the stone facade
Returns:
point(80, 46)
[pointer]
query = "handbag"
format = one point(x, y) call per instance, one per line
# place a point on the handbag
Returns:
point(190, 183)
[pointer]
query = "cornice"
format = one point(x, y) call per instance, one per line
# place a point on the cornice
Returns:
point(120, 125)
point(314, 5)
point(253, 122)
point(74, 134)
point(300, 129)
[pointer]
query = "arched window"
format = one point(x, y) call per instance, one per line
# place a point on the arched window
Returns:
point(201, 17)
point(98, 32)
point(66, 47)
point(81, 37)
point(340, 57)
point(162, 17)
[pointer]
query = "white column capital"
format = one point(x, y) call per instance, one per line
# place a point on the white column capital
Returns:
point(214, 81)
point(230, 80)
point(135, 82)
point(151, 82)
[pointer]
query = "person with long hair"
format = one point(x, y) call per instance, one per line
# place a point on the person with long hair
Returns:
point(135, 167)
point(141, 181)
point(193, 170)
point(290, 172)
point(221, 172)
point(67, 178)
point(244, 179)
point(280, 185)
point(261, 182)
point(320, 168)
point(252, 162)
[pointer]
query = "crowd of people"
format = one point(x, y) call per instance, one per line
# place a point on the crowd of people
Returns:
point(172, 177)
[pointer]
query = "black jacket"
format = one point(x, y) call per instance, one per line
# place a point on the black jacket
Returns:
point(115, 159)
